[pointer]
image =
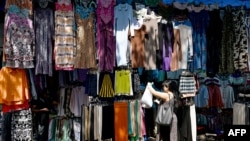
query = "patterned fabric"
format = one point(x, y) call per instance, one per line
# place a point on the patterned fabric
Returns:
point(19, 46)
point(107, 89)
point(240, 48)
point(187, 84)
point(136, 83)
point(21, 125)
point(23, 4)
point(65, 42)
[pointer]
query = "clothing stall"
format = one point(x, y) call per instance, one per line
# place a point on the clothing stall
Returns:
point(76, 70)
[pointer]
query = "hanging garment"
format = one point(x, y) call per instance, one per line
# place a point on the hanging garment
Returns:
point(123, 17)
point(202, 96)
point(136, 83)
point(108, 122)
point(19, 49)
point(14, 87)
point(121, 123)
point(21, 125)
point(177, 53)
point(123, 83)
point(166, 38)
point(152, 42)
point(215, 99)
point(240, 48)
point(186, 42)
point(85, 38)
point(65, 38)
point(24, 4)
point(106, 87)
point(78, 98)
point(91, 88)
point(214, 41)
point(247, 22)
point(138, 58)
point(240, 114)
point(200, 21)
point(226, 63)
point(44, 30)
point(187, 85)
point(105, 38)
point(227, 94)
point(134, 120)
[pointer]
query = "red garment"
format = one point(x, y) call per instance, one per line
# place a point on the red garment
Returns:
point(9, 108)
point(215, 99)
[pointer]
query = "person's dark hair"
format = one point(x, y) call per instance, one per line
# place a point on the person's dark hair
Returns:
point(170, 85)
point(173, 87)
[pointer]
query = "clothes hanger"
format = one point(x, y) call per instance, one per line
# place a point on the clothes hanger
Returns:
point(123, 1)
point(64, 2)
point(43, 3)
point(92, 4)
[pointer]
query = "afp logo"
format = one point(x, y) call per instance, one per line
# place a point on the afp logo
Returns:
point(237, 132)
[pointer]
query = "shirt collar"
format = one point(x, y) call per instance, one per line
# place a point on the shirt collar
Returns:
point(123, 7)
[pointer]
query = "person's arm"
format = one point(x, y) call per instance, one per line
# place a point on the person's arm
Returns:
point(162, 95)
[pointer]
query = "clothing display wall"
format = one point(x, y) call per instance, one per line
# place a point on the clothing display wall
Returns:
point(84, 65)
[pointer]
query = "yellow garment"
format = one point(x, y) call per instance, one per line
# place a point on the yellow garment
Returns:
point(122, 82)
point(13, 86)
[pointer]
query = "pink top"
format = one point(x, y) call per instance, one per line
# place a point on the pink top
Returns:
point(106, 10)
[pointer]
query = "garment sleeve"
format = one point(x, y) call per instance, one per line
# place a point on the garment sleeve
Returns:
point(160, 36)
point(25, 85)
point(156, 36)
point(6, 20)
point(115, 17)
point(52, 25)
point(1, 86)
point(190, 40)
point(73, 102)
point(131, 17)
point(7, 34)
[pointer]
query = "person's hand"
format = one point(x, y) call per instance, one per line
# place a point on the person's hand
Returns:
point(150, 84)
point(44, 110)
point(150, 87)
